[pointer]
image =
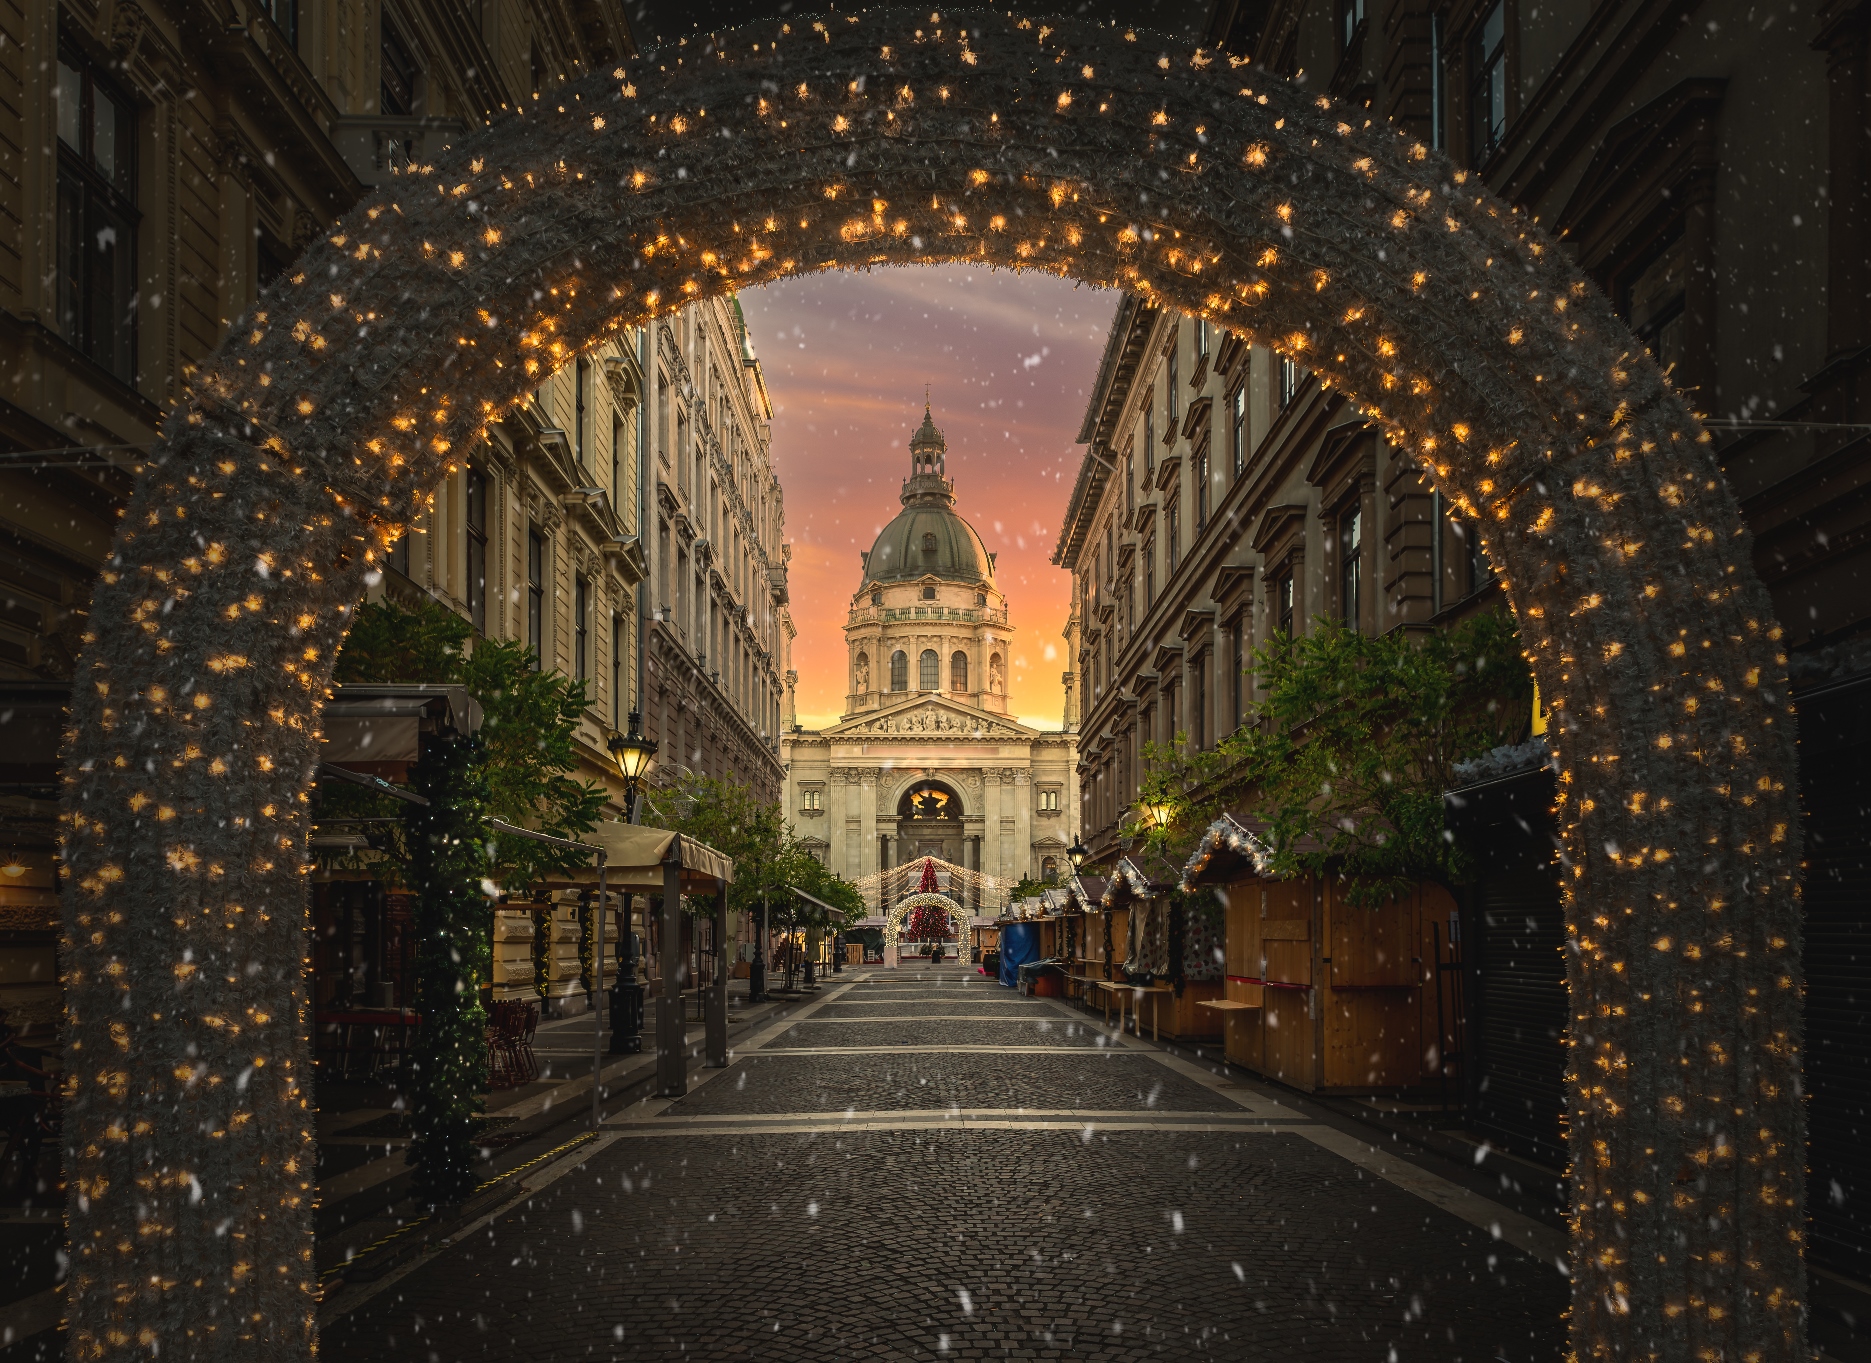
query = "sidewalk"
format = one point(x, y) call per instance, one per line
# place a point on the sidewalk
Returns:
point(365, 1223)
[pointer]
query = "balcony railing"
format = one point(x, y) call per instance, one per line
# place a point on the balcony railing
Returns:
point(377, 145)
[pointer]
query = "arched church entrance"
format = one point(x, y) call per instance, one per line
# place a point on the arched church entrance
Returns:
point(317, 431)
point(930, 823)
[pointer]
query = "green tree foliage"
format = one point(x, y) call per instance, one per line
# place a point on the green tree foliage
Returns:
point(1348, 754)
point(769, 861)
point(529, 719)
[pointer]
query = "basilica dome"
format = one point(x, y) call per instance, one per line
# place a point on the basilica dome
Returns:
point(928, 537)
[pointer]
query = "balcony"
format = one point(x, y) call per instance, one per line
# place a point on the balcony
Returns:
point(376, 146)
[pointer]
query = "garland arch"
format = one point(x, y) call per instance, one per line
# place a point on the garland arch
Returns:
point(958, 917)
point(316, 431)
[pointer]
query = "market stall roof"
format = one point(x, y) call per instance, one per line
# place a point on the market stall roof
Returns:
point(1236, 848)
point(814, 899)
point(1057, 901)
point(634, 859)
point(1088, 891)
point(1131, 880)
point(368, 722)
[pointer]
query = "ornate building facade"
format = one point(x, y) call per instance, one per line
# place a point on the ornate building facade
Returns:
point(926, 760)
point(717, 631)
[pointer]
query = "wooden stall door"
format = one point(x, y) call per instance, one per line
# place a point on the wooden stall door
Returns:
point(1242, 1031)
point(1373, 1024)
point(1290, 1038)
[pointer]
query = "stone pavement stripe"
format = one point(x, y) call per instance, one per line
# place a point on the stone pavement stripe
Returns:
point(946, 1017)
point(704, 1126)
point(952, 1113)
point(1522, 1232)
point(929, 1050)
point(1533, 1238)
point(535, 1184)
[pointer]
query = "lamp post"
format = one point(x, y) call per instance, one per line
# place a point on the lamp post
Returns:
point(634, 755)
point(1078, 851)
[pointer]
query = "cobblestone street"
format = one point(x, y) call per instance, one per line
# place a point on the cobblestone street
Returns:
point(923, 1165)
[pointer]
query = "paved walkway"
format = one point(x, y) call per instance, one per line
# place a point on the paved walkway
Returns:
point(921, 1164)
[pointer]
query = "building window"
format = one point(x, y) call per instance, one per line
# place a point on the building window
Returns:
point(1172, 537)
point(812, 799)
point(1237, 672)
point(929, 670)
point(1130, 486)
point(477, 549)
point(1478, 571)
point(1170, 396)
point(285, 17)
point(1049, 802)
point(1149, 572)
point(536, 597)
point(1237, 429)
point(617, 671)
point(581, 397)
point(1487, 84)
point(1290, 375)
point(581, 632)
point(1653, 305)
point(1149, 441)
point(1198, 473)
point(1201, 339)
point(398, 554)
point(399, 72)
point(899, 671)
point(1283, 604)
point(97, 218)
point(617, 461)
point(1351, 567)
point(929, 593)
point(1350, 20)
point(1198, 703)
point(958, 671)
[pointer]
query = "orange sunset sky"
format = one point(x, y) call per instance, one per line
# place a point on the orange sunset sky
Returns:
point(1009, 360)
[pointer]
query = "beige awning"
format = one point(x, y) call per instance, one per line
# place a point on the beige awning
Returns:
point(367, 722)
point(634, 859)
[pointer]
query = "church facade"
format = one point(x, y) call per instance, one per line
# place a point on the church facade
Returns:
point(927, 759)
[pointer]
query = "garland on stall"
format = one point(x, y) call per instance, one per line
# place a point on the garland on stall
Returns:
point(448, 1066)
point(542, 949)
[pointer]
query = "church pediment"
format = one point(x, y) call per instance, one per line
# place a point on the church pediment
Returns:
point(932, 717)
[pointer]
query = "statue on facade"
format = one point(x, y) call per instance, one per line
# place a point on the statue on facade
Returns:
point(862, 674)
point(996, 675)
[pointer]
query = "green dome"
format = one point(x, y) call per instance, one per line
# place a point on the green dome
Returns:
point(927, 537)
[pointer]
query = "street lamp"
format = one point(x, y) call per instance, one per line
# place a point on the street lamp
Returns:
point(1159, 811)
point(634, 755)
point(1078, 851)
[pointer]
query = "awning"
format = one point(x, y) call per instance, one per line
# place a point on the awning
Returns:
point(1235, 849)
point(366, 722)
point(814, 899)
point(634, 859)
point(1131, 881)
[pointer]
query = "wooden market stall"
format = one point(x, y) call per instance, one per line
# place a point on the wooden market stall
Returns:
point(1167, 974)
point(1321, 993)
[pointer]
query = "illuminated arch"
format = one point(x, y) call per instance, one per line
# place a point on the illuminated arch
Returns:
point(959, 919)
point(316, 431)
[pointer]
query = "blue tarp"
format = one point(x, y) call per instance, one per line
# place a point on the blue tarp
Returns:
point(1019, 943)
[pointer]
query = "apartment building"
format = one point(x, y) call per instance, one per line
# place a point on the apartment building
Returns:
point(163, 161)
point(718, 634)
point(1706, 166)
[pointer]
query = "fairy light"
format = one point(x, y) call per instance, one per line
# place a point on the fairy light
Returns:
point(314, 433)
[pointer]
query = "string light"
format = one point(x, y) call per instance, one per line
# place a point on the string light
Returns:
point(313, 435)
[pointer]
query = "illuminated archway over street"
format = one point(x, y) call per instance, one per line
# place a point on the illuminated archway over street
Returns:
point(321, 425)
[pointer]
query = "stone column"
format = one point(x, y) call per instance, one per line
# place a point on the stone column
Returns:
point(990, 824)
point(1022, 784)
point(835, 814)
point(867, 816)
